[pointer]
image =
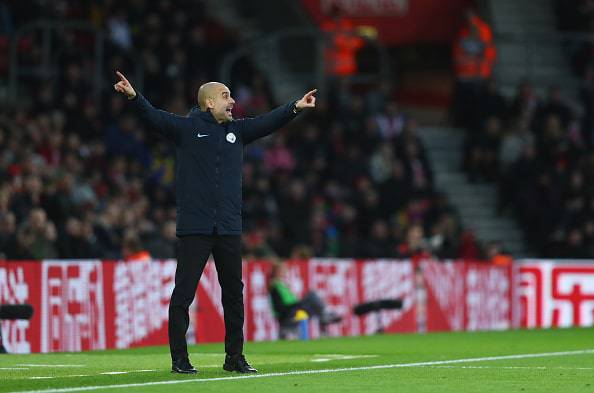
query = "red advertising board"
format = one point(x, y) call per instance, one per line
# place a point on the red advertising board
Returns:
point(556, 294)
point(86, 305)
point(468, 296)
point(397, 21)
point(21, 283)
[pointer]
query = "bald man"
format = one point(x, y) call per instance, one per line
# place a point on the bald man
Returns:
point(209, 146)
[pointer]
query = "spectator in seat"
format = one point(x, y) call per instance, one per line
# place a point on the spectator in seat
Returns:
point(415, 245)
point(514, 143)
point(491, 103)
point(525, 102)
point(395, 190)
point(495, 254)
point(132, 249)
point(391, 123)
point(484, 151)
point(575, 246)
point(162, 246)
point(555, 105)
point(36, 237)
point(418, 169)
point(377, 244)
point(7, 231)
point(72, 242)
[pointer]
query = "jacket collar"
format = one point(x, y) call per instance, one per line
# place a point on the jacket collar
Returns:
point(206, 116)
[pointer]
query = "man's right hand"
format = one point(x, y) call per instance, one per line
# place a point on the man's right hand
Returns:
point(124, 87)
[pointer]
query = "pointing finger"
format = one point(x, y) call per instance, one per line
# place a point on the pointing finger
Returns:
point(309, 94)
point(121, 76)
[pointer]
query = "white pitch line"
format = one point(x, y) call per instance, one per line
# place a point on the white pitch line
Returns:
point(13, 368)
point(51, 365)
point(513, 367)
point(321, 371)
point(340, 357)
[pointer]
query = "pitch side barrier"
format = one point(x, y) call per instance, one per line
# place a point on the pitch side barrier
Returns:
point(92, 304)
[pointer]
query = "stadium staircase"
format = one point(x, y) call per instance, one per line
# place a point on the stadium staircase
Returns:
point(529, 46)
point(475, 202)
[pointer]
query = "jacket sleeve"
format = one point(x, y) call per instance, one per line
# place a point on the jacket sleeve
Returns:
point(266, 124)
point(165, 123)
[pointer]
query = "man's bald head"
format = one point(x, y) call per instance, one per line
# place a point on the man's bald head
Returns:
point(206, 91)
point(216, 97)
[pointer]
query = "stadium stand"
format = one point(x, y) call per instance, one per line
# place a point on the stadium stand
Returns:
point(539, 151)
point(78, 176)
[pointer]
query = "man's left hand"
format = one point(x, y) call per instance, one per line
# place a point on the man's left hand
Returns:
point(308, 101)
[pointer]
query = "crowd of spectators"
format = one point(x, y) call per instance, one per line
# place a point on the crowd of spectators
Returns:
point(84, 179)
point(539, 150)
point(346, 181)
point(80, 176)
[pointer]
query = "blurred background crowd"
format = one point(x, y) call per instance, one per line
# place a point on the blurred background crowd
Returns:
point(537, 147)
point(81, 178)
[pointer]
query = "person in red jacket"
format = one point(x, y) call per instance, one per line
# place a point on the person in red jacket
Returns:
point(474, 52)
point(342, 45)
point(474, 55)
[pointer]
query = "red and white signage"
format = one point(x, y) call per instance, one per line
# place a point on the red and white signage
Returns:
point(87, 305)
point(20, 283)
point(72, 309)
point(468, 296)
point(557, 294)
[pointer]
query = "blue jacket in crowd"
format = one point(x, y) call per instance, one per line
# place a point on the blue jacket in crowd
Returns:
point(209, 163)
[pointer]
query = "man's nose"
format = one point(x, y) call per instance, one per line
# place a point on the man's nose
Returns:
point(232, 100)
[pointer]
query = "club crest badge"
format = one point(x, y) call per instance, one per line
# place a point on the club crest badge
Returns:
point(231, 137)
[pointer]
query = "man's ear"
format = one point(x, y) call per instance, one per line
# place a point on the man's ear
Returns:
point(209, 103)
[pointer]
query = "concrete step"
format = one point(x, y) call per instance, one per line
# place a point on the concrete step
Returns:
point(541, 19)
point(465, 191)
point(509, 228)
point(512, 54)
point(496, 233)
point(454, 176)
point(477, 211)
point(442, 140)
point(523, 28)
point(475, 202)
point(446, 156)
point(525, 5)
point(535, 70)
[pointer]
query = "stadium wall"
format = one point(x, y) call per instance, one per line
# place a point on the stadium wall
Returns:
point(92, 304)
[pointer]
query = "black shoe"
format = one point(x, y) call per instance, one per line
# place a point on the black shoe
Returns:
point(183, 366)
point(239, 364)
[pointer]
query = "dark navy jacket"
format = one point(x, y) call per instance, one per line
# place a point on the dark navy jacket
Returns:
point(209, 163)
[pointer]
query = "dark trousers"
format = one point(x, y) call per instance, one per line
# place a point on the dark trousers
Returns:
point(312, 304)
point(192, 254)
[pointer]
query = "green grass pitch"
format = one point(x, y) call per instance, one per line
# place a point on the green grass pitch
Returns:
point(514, 361)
